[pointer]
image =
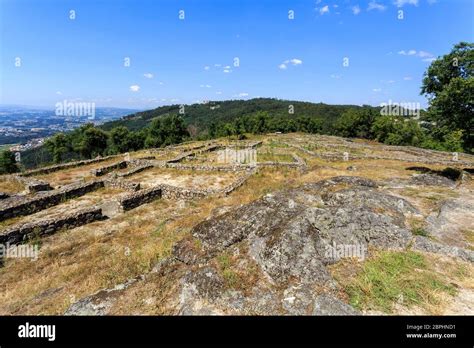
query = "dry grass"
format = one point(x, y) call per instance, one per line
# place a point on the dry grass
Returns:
point(68, 176)
point(81, 261)
point(86, 201)
point(78, 262)
point(10, 185)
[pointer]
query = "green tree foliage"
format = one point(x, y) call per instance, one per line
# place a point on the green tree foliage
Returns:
point(356, 123)
point(58, 146)
point(449, 85)
point(8, 163)
point(93, 143)
point(120, 139)
point(397, 131)
point(165, 131)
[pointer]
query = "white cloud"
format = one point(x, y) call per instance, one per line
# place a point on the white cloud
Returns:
point(356, 10)
point(296, 61)
point(375, 6)
point(218, 92)
point(401, 3)
point(243, 94)
point(409, 53)
point(335, 76)
point(205, 86)
point(377, 89)
point(423, 54)
point(59, 93)
point(227, 67)
point(207, 67)
point(217, 65)
point(148, 75)
point(408, 78)
point(161, 83)
point(323, 10)
point(426, 56)
point(227, 71)
point(134, 88)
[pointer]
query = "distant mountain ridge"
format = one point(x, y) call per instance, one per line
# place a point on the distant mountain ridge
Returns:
point(202, 115)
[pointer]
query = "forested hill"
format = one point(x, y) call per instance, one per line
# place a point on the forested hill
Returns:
point(218, 112)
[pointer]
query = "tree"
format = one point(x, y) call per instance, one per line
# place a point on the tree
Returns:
point(165, 131)
point(136, 140)
point(120, 138)
point(383, 127)
point(93, 142)
point(8, 163)
point(449, 85)
point(261, 124)
point(356, 123)
point(58, 145)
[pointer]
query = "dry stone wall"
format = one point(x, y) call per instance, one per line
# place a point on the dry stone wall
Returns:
point(57, 167)
point(138, 198)
point(135, 170)
point(16, 206)
point(204, 167)
point(17, 234)
point(335, 156)
point(107, 169)
point(33, 185)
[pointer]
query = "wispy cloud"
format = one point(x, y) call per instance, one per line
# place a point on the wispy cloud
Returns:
point(425, 56)
point(323, 10)
point(375, 6)
point(401, 3)
point(407, 53)
point(148, 75)
point(356, 10)
point(408, 78)
point(207, 67)
point(134, 88)
point(294, 61)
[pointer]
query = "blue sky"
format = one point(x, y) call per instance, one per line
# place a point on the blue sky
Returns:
point(175, 60)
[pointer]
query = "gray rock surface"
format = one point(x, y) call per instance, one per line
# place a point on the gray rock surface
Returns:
point(329, 305)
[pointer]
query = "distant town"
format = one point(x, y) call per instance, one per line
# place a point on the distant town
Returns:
point(24, 128)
